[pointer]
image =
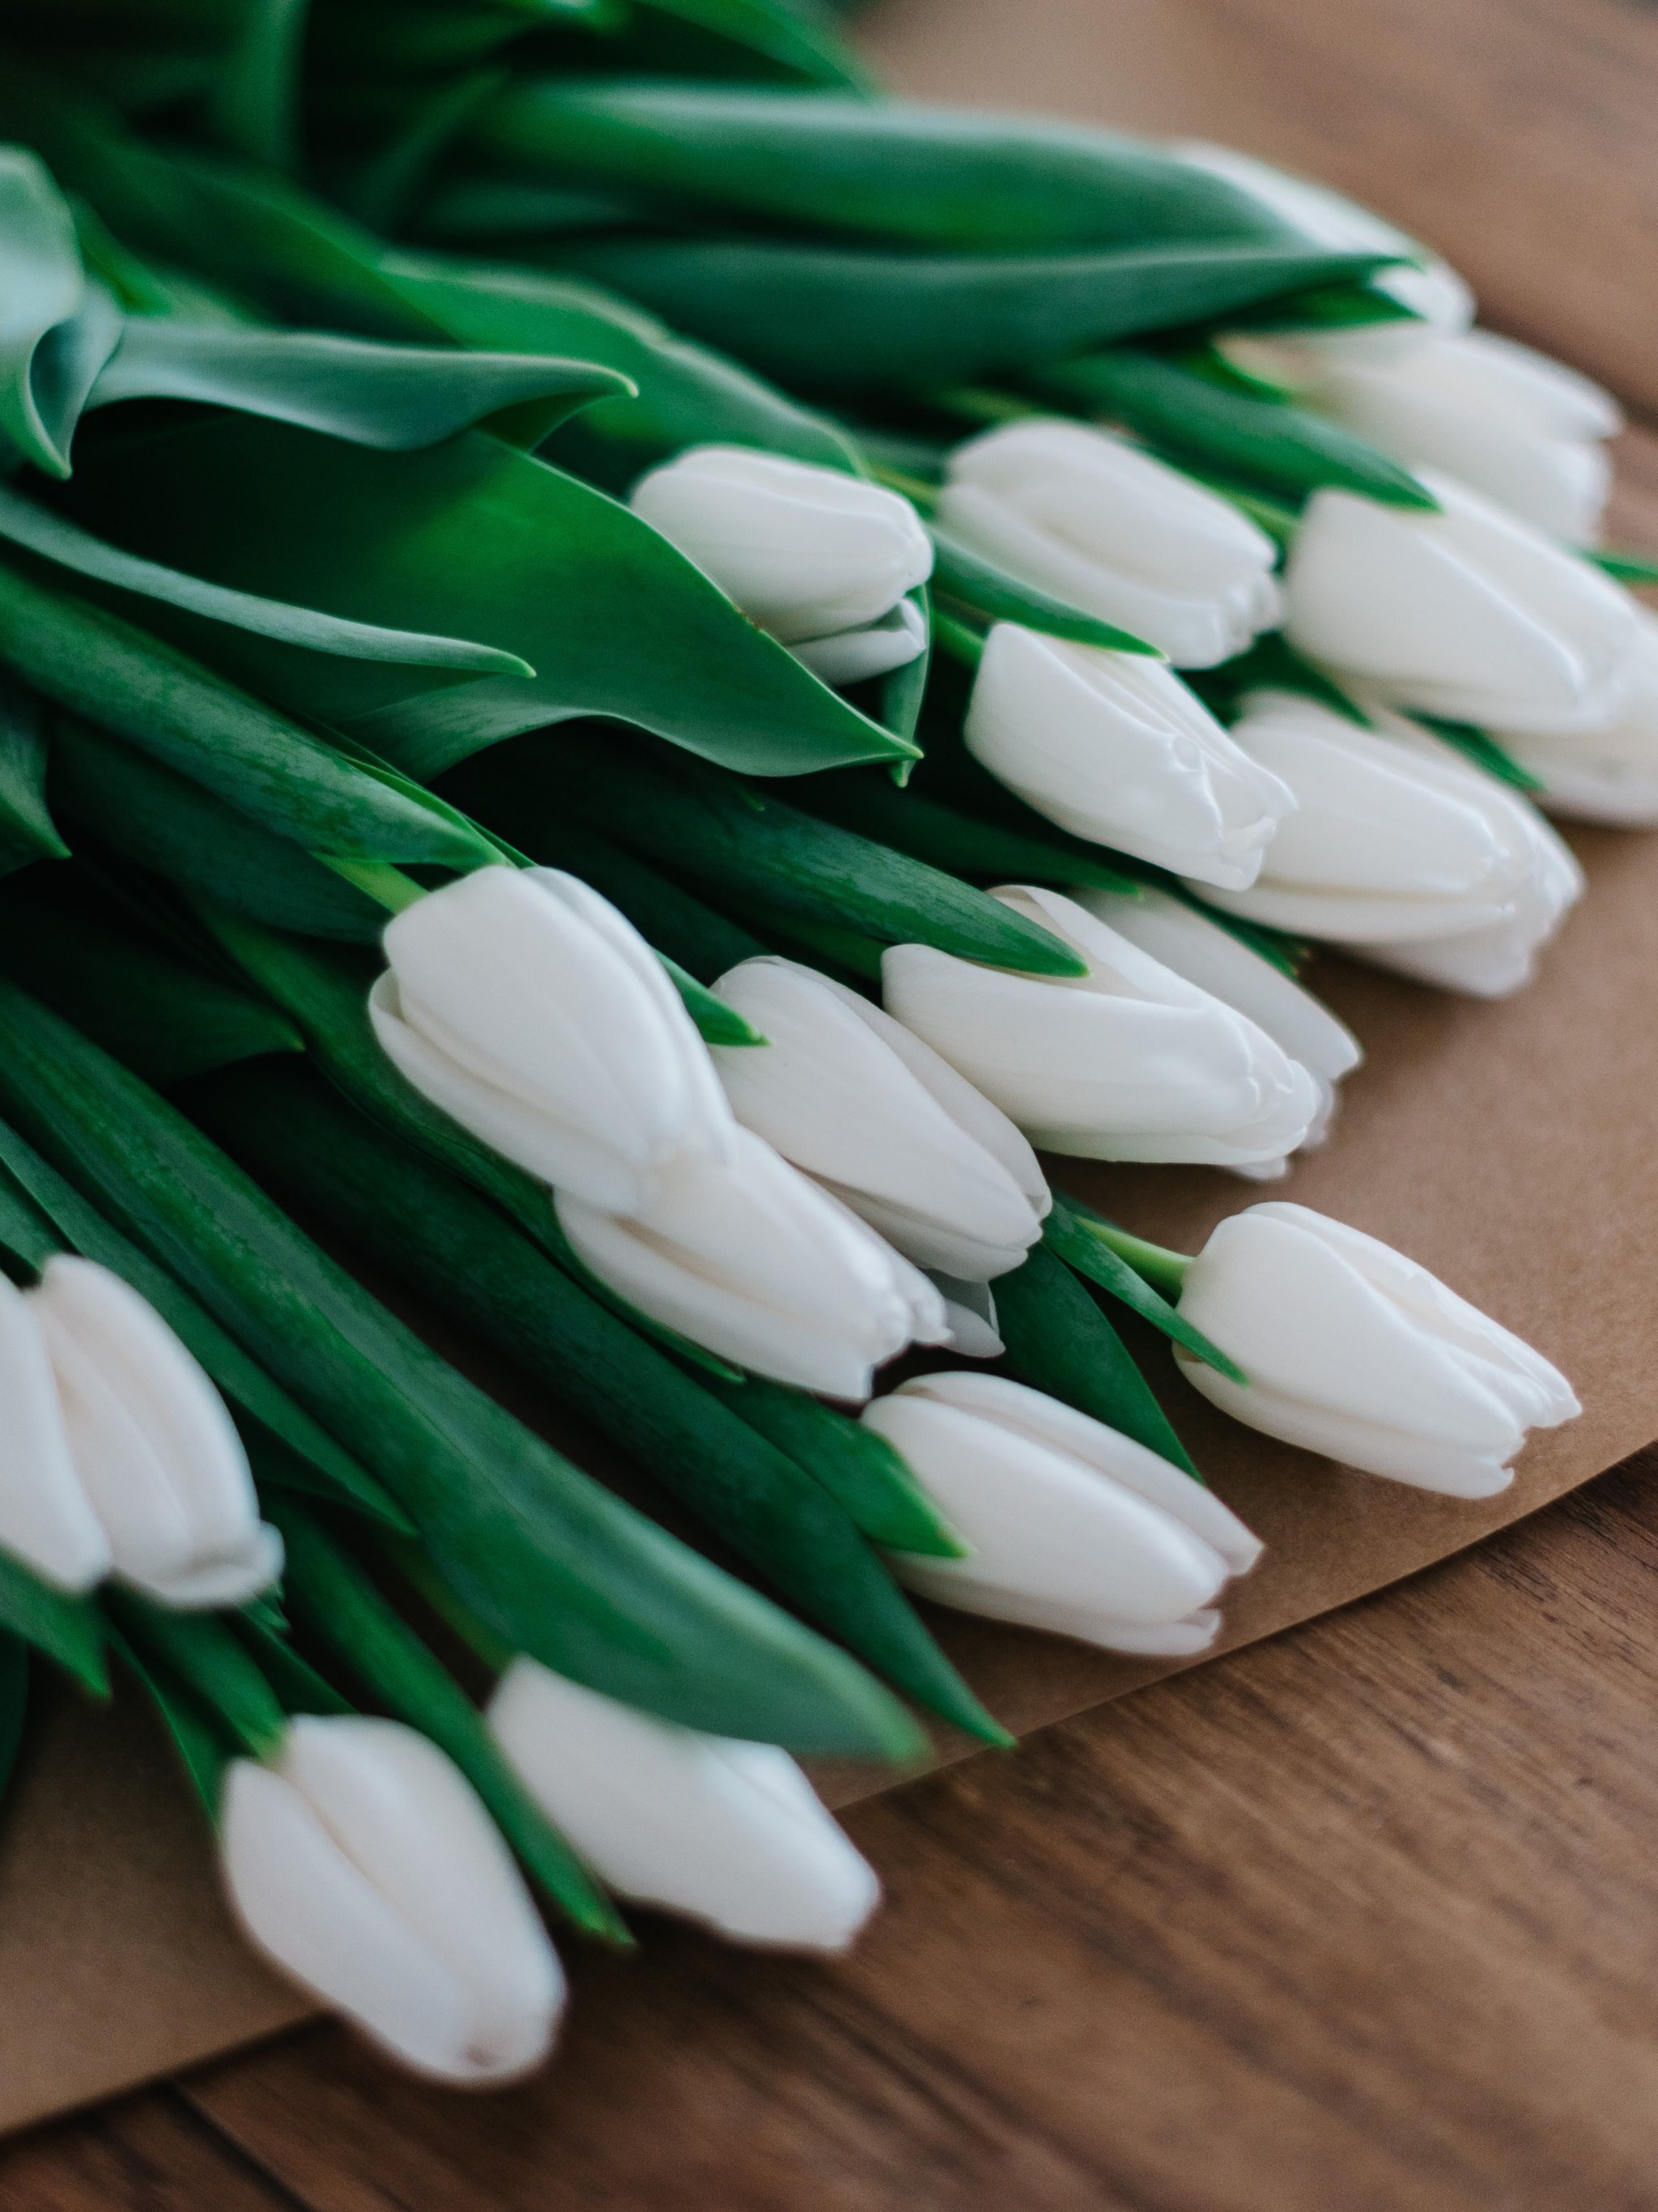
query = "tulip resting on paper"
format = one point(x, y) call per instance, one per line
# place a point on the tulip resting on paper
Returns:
point(730, 1833)
point(1354, 1350)
point(1073, 1528)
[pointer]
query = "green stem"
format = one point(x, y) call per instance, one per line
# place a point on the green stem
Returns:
point(387, 886)
point(981, 406)
point(957, 638)
point(1154, 1263)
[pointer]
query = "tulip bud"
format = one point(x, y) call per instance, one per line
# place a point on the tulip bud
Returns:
point(853, 1099)
point(1468, 613)
point(47, 1518)
point(1113, 747)
point(1354, 1350)
point(1218, 962)
point(752, 1260)
point(156, 1456)
point(1403, 850)
point(1095, 520)
point(1129, 1062)
point(821, 559)
point(524, 1005)
point(728, 1833)
point(1514, 425)
point(1610, 773)
point(361, 1862)
point(1073, 1528)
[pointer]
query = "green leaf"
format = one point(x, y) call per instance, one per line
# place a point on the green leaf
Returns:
point(983, 589)
point(299, 1687)
point(335, 1601)
point(460, 1252)
point(1070, 1231)
point(314, 1460)
point(1633, 569)
point(196, 1733)
point(27, 831)
point(740, 839)
point(716, 1021)
point(1485, 752)
point(1336, 305)
point(1262, 441)
point(200, 1651)
point(1272, 663)
point(13, 1704)
point(833, 317)
point(952, 178)
point(254, 108)
point(249, 754)
point(69, 1630)
point(790, 35)
point(1058, 1341)
point(543, 1555)
point(477, 540)
point(42, 287)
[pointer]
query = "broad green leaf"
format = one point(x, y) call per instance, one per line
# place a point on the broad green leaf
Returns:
point(477, 539)
point(792, 35)
point(42, 286)
point(13, 1703)
point(27, 831)
point(314, 1460)
point(254, 107)
point(842, 318)
point(1069, 1231)
point(341, 1607)
point(299, 1687)
point(741, 841)
point(194, 720)
point(1349, 304)
point(543, 1555)
point(201, 1651)
point(951, 177)
point(460, 1252)
point(69, 1630)
point(198, 1736)
point(1275, 443)
point(1636, 570)
point(966, 580)
point(1058, 1341)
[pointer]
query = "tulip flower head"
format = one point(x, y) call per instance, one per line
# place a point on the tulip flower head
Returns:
point(1090, 518)
point(1129, 1062)
point(1203, 953)
point(855, 1100)
point(1073, 1528)
point(729, 1833)
point(1468, 613)
point(526, 1007)
point(1403, 850)
point(1609, 774)
point(1113, 747)
point(1353, 1351)
point(361, 1862)
point(751, 1260)
point(119, 1456)
point(821, 559)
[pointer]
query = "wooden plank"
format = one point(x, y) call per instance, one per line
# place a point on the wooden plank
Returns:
point(1515, 135)
point(1363, 1916)
point(150, 2154)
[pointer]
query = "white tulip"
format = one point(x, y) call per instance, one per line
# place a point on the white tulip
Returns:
point(975, 1330)
point(47, 1519)
point(1429, 286)
point(1520, 429)
point(1402, 850)
point(1073, 1528)
point(1217, 962)
point(749, 1258)
point(1096, 521)
point(820, 559)
point(1607, 775)
point(1129, 1062)
point(361, 1862)
point(526, 1007)
point(729, 1833)
point(856, 1101)
point(156, 1456)
point(1468, 613)
point(1354, 1350)
point(1113, 747)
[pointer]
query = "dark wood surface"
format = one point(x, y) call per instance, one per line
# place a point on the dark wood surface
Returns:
point(1365, 1917)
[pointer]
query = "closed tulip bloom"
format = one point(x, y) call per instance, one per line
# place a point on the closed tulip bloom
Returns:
point(156, 1455)
point(526, 1007)
point(1468, 613)
point(1099, 523)
point(852, 1098)
point(1607, 775)
point(361, 1862)
point(730, 1833)
point(749, 1258)
point(1113, 747)
point(1073, 1528)
point(1519, 427)
point(1403, 851)
point(1354, 1350)
point(820, 559)
point(47, 1518)
point(1218, 962)
point(1129, 1062)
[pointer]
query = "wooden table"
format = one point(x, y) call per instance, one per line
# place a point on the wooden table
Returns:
point(1366, 1917)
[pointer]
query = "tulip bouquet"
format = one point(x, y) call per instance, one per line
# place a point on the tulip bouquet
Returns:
point(625, 672)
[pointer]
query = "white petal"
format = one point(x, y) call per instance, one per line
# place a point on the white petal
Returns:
point(47, 1519)
point(852, 656)
point(970, 1310)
